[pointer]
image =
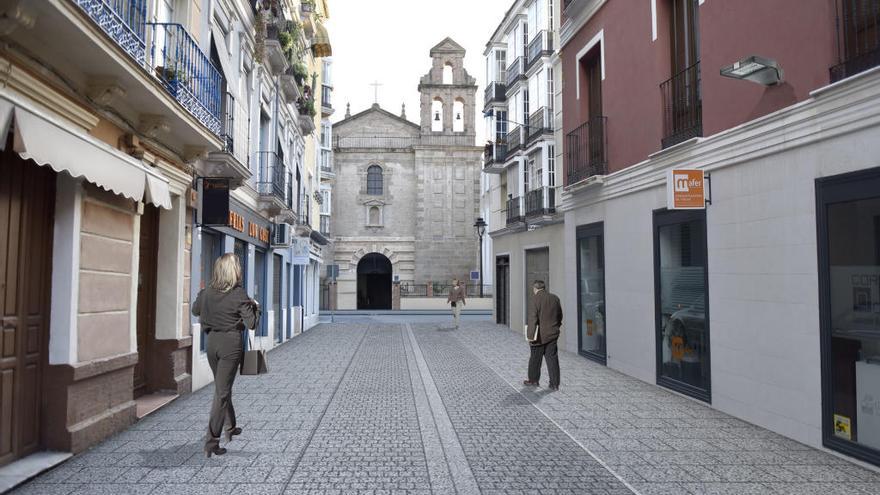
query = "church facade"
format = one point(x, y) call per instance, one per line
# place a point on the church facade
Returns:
point(406, 195)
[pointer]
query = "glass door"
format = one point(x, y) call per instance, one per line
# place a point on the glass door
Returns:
point(848, 207)
point(260, 286)
point(591, 291)
point(682, 304)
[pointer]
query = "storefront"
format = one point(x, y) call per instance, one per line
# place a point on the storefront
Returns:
point(591, 291)
point(848, 210)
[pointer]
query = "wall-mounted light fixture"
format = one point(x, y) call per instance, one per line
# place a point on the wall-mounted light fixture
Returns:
point(756, 69)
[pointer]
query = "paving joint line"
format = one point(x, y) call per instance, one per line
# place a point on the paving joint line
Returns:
point(308, 441)
point(535, 405)
point(459, 468)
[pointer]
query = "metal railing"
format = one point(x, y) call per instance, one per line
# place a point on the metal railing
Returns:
point(585, 151)
point(541, 201)
point(540, 122)
point(228, 135)
point(542, 43)
point(326, 96)
point(494, 153)
point(186, 72)
point(124, 21)
point(858, 37)
point(514, 211)
point(515, 70)
point(272, 173)
point(682, 106)
point(514, 139)
point(495, 91)
point(413, 290)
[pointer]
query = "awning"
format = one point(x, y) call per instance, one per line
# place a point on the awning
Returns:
point(67, 149)
point(321, 44)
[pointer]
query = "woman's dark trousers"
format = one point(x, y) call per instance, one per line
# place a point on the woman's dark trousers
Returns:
point(224, 355)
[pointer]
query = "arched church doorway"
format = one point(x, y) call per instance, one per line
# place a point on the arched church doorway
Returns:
point(374, 282)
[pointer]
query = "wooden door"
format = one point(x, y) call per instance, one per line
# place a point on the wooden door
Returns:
point(27, 197)
point(146, 296)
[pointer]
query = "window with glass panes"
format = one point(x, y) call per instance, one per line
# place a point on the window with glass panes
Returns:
point(501, 65)
point(374, 180)
point(551, 165)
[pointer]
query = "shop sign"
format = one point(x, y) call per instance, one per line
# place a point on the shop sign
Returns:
point(236, 221)
point(215, 201)
point(258, 232)
point(300, 247)
point(685, 189)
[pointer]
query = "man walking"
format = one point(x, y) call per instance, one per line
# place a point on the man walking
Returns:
point(544, 320)
point(456, 300)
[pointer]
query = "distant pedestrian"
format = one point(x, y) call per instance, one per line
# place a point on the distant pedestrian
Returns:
point(456, 300)
point(224, 310)
point(542, 332)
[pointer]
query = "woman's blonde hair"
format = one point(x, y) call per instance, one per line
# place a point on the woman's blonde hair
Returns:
point(227, 273)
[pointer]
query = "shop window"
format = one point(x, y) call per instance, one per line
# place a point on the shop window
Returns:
point(682, 302)
point(849, 253)
point(591, 292)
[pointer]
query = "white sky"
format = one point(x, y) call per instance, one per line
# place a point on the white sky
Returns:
point(388, 41)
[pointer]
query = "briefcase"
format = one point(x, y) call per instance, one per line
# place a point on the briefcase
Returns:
point(254, 361)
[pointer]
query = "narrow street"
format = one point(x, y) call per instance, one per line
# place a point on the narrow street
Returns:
point(371, 407)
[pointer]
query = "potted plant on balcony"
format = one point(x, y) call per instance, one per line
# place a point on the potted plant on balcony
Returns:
point(174, 77)
point(300, 72)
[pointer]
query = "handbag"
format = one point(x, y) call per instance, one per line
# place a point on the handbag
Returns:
point(254, 361)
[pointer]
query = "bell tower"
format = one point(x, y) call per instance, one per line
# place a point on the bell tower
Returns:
point(448, 93)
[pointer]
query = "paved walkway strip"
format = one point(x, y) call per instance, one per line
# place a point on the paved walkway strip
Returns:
point(431, 409)
point(511, 447)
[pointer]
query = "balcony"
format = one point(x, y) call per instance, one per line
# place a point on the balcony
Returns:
point(186, 72)
point(515, 71)
point(858, 38)
point(326, 100)
point(541, 45)
point(495, 92)
point(271, 183)
point(682, 107)
point(540, 205)
point(303, 221)
point(493, 158)
point(225, 163)
point(290, 88)
point(585, 151)
point(273, 51)
point(327, 164)
point(540, 123)
point(123, 21)
point(514, 212)
point(514, 141)
point(305, 105)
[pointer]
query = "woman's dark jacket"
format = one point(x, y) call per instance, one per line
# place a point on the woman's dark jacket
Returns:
point(225, 311)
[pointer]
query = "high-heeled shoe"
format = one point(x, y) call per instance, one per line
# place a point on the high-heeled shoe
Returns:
point(232, 432)
point(214, 450)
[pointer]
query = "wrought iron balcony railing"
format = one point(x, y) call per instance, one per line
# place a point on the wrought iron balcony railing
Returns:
point(858, 37)
point(540, 122)
point(495, 92)
point(272, 174)
point(514, 211)
point(124, 21)
point(541, 201)
point(515, 70)
point(514, 140)
point(186, 72)
point(682, 106)
point(541, 44)
point(228, 123)
point(585, 151)
point(494, 153)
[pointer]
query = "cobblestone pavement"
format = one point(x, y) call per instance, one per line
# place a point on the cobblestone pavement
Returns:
point(383, 408)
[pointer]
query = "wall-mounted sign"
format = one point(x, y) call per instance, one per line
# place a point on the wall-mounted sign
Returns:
point(475, 275)
point(300, 247)
point(215, 201)
point(258, 232)
point(685, 190)
point(236, 221)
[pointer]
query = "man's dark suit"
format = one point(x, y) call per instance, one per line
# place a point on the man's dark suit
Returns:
point(545, 312)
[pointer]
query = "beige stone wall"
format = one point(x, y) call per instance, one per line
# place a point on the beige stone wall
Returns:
point(187, 274)
point(105, 284)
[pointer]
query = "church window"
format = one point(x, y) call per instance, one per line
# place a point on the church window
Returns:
point(437, 115)
point(374, 216)
point(458, 115)
point(374, 180)
point(447, 74)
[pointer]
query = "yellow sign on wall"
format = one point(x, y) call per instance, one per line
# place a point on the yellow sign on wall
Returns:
point(842, 427)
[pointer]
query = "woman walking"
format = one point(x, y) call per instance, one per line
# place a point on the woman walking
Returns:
point(456, 300)
point(224, 310)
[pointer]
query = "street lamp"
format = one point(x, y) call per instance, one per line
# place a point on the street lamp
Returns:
point(480, 230)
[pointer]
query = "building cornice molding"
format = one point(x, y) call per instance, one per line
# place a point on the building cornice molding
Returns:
point(570, 28)
point(831, 111)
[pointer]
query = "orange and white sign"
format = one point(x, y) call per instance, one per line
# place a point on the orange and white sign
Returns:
point(685, 190)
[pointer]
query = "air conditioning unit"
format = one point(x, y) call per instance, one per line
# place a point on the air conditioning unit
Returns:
point(281, 235)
